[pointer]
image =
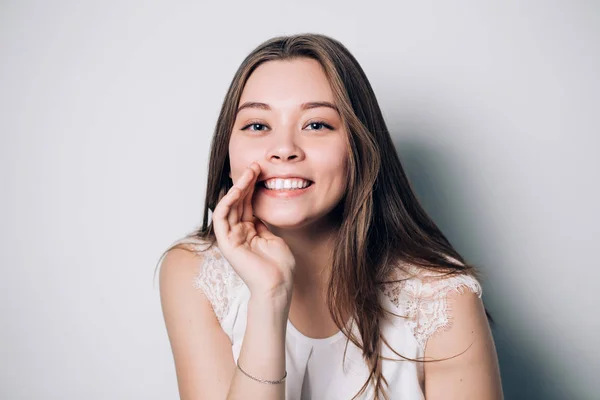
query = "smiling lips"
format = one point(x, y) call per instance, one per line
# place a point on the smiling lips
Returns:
point(286, 184)
point(284, 188)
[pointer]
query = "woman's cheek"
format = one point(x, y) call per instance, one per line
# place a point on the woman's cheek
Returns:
point(335, 164)
point(240, 157)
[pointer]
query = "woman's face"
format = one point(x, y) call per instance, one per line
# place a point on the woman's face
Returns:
point(288, 124)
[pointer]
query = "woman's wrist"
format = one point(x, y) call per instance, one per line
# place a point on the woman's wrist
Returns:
point(262, 355)
point(270, 306)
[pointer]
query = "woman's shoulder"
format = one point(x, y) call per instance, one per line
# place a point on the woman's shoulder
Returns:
point(431, 284)
point(423, 296)
point(215, 277)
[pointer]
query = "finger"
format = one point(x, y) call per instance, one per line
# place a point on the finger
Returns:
point(237, 208)
point(240, 203)
point(247, 213)
point(221, 212)
point(244, 181)
point(233, 217)
point(247, 188)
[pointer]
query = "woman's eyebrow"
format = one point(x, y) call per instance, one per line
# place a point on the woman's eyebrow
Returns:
point(303, 106)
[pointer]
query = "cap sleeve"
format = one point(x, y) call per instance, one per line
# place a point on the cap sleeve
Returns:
point(428, 309)
point(422, 298)
point(216, 278)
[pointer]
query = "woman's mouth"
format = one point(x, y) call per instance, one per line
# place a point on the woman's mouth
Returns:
point(285, 187)
point(286, 184)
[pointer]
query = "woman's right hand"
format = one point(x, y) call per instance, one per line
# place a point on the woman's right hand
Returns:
point(263, 261)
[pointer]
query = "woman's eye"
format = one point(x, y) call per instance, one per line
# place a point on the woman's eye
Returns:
point(313, 126)
point(317, 126)
point(256, 126)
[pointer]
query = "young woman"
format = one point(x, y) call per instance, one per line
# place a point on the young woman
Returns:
point(319, 276)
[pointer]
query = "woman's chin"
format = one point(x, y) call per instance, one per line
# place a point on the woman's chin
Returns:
point(286, 222)
point(293, 218)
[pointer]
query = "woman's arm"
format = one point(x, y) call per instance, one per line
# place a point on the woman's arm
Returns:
point(263, 352)
point(202, 351)
point(474, 374)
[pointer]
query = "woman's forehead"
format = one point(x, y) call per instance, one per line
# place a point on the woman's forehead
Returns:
point(287, 84)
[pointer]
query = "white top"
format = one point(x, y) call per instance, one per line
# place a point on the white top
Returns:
point(314, 366)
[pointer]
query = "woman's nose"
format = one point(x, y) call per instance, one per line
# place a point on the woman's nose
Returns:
point(285, 148)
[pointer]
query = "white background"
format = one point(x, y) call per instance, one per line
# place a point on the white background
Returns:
point(106, 115)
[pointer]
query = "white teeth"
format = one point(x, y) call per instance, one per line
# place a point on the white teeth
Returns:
point(286, 184)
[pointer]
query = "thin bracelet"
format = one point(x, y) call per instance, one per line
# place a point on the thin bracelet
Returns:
point(262, 380)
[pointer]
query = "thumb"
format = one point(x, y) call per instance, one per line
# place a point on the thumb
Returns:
point(262, 229)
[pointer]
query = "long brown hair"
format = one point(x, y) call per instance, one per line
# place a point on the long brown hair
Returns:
point(382, 224)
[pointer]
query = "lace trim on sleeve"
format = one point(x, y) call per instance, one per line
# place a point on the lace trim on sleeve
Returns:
point(219, 281)
point(216, 278)
point(424, 298)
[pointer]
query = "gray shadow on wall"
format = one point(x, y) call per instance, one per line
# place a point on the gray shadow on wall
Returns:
point(438, 186)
